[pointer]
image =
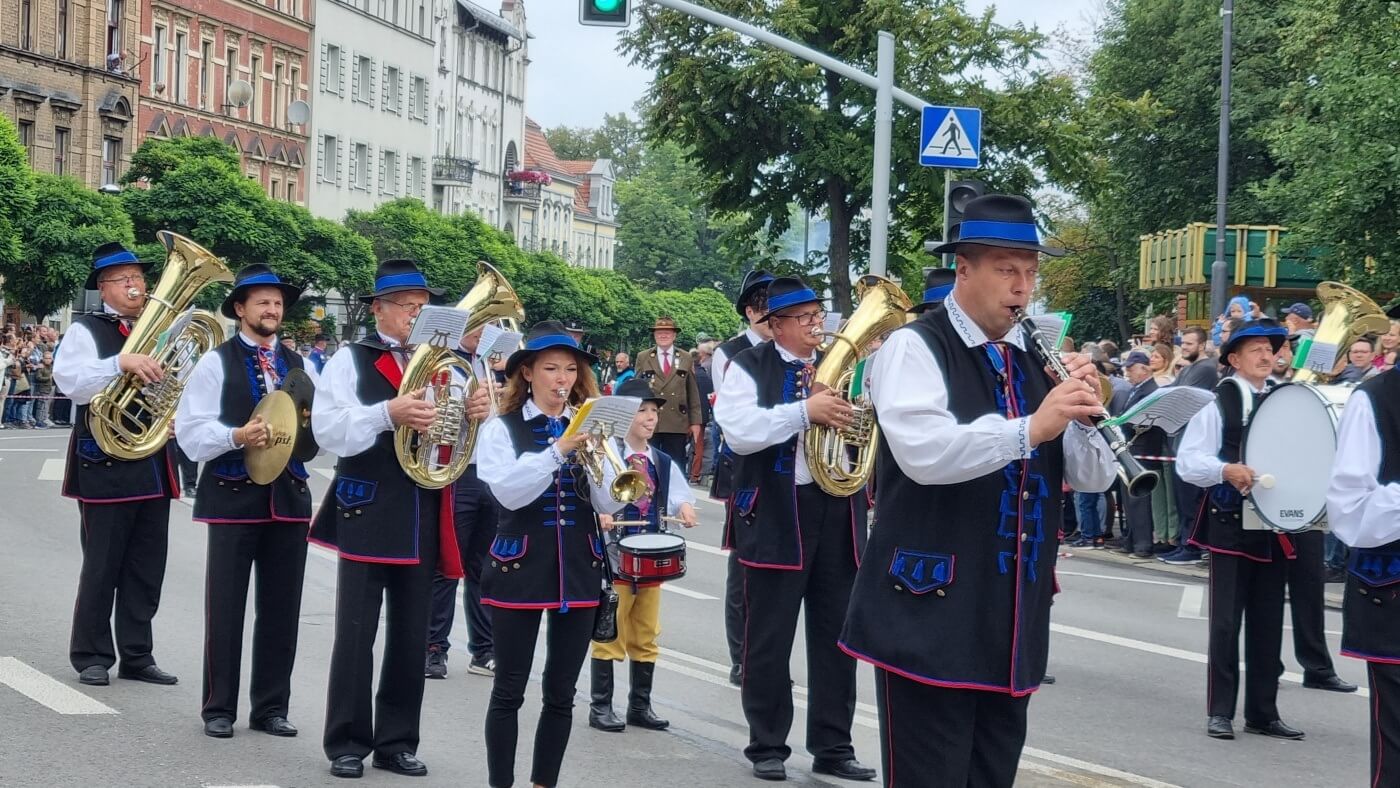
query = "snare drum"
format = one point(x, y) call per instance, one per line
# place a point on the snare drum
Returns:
point(650, 557)
point(1292, 436)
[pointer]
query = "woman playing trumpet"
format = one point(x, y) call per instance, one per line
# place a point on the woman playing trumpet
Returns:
point(530, 469)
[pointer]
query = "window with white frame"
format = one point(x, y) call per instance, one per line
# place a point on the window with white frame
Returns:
point(416, 170)
point(328, 162)
point(360, 163)
point(158, 61)
point(418, 101)
point(389, 173)
point(391, 89)
point(364, 79)
point(331, 79)
point(178, 81)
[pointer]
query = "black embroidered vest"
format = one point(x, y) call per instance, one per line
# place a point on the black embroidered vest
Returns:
point(1371, 611)
point(546, 555)
point(722, 484)
point(91, 475)
point(660, 472)
point(955, 587)
point(226, 494)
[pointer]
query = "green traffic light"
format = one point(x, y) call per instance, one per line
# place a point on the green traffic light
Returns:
point(606, 6)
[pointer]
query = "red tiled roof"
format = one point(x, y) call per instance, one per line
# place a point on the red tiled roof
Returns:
point(540, 155)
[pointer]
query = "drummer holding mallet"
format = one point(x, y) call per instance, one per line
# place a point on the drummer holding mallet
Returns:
point(639, 604)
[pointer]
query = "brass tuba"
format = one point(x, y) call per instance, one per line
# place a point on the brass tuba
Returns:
point(451, 382)
point(131, 419)
point(842, 459)
point(1347, 315)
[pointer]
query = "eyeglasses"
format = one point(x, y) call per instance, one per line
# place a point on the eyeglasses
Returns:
point(806, 318)
point(409, 307)
point(127, 279)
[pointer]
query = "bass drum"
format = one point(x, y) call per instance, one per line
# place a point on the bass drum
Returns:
point(1292, 436)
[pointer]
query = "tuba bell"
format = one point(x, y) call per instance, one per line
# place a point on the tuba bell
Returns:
point(1347, 315)
point(842, 459)
point(436, 458)
point(130, 419)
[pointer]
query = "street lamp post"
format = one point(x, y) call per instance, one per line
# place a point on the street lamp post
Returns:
point(1220, 270)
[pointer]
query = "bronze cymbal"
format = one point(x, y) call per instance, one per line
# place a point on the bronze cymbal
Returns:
point(267, 463)
point(302, 390)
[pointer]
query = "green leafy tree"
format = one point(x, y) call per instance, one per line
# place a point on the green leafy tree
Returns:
point(698, 311)
point(769, 130)
point(68, 222)
point(618, 139)
point(16, 199)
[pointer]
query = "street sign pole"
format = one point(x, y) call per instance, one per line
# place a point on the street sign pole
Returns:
point(1220, 270)
point(880, 178)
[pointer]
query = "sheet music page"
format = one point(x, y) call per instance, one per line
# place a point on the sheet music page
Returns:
point(612, 414)
point(1054, 325)
point(1169, 408)
point(1320, 357)
point(176, 329)
point(439, 326)
point(832, 322)
point(503, 344)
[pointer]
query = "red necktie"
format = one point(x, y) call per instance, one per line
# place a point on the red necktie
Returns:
point(124, 326)
point(666, 362)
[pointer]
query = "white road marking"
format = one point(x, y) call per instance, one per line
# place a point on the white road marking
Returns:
point(1086, 766)
point(329, 473)
point(37, 434)
point(44, 689)
point(1191, 599)
point(52, 470)
point(34, 451)
point(675, 589)
point(705, 548)
point(1144, 581)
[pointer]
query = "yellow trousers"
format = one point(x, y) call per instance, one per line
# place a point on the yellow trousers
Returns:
point(638, 626)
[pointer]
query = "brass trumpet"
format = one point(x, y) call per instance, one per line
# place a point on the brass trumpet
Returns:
point(627, 485)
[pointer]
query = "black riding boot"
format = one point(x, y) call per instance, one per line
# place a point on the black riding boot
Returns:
point(639, 699)
point(600, 711)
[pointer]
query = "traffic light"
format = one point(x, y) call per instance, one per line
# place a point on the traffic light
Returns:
point(605, 13)
point(955, 199)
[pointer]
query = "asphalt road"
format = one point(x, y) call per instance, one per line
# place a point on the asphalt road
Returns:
point(1128, 650)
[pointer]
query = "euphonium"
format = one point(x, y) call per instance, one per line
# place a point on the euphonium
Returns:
point(842, 459)
point(451, 382)
point(130, 419)
point(1347, 315)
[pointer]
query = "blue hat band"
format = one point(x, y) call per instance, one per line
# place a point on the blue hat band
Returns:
point(1259, 331)
point(260, 279)
point(1004, 231)
point(791, 299)
point(937, 293)
point(546, 341)
point(400, 280)
point(115, 258)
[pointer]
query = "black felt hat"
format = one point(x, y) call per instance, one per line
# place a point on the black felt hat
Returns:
point(1264, 327)
point(258, 275)
point(633, 387)
point(396, 276)
point(1002, 220)
point(755, 281)
point(108, 255)
point(546, 335)
point(787, 291)
point(938, 283)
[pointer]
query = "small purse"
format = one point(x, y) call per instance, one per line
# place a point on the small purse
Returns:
point(605, 615)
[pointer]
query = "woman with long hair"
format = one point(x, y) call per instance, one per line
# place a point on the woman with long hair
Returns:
point(1160, 360)
point(546, 557)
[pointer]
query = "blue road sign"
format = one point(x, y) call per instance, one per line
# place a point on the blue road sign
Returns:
point(951, 137)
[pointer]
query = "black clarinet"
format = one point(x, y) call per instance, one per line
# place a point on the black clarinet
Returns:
point(1136, 479)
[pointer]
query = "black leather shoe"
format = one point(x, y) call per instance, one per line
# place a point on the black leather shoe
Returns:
point(848, 769)
point(1277, 729)
point(1331, 684)
point(770, 769)
point(736, 675)
point(1047, 679)
point(1220, 728)
point(149, 674)
point(94, 676)
point(351, 766)
point(219, 728)
point(404, 763)
point(276, 726)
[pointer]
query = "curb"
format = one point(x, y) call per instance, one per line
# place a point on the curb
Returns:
point(1333, 599)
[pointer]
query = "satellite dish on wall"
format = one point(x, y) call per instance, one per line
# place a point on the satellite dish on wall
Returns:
point(298, 112)
point(239, 93)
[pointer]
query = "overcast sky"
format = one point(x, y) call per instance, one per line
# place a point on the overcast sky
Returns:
point(576, 76)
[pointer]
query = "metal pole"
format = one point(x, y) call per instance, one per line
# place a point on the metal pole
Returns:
point(880, 180)
point(949, 260)
point(1220, 270)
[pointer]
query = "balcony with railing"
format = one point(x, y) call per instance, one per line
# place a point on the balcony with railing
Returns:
point(453, 171)
point(525, 186)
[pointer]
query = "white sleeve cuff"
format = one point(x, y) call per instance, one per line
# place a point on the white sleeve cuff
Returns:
point(1016, 438)
point(385, 423)
point(559, 458)
point(806, 421)
point(232, 446)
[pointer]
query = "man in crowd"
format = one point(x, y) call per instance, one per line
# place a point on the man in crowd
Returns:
point(318, 353)
point(623, 364)
point(1298, 319)
point(671, 374)
point(1201, 372)
point(1139, 509)
point(1359, 358)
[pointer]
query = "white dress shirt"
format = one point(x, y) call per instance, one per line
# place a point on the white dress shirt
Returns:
point(749, 429)
point(343, 425)
point(1361, 511)
point(677, 491)
point(1198, 457)
point(200, 433)
point(932, 447)
point(719, 360)
point(77, 370)
point(517, 479)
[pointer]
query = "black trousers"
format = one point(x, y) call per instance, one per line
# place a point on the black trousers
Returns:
point(474, 517)
point(772, 599)
point(566, 648)
point(1385, 723)
point(1252, 590)
point(124, 547)
point(189, 469)
point(734, 608)
point(947, 737)
point(278, 550)
point(390, 725)
point(1305, 601)
point(673, 443)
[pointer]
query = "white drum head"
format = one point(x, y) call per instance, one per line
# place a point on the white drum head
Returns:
point(1292, 436)
point(651, 543)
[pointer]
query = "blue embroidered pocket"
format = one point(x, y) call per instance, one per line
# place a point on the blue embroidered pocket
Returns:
point(90, 451)
point(1226, 498)
point(509, 547)
point(922, 572)
point(595, 546)
point(355, 492)
point(233, 469)
point(1375, 568)
point(297, 470)
point(745, 501)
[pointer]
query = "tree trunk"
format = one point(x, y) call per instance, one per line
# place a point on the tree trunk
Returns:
point(354, 316)
point(839, 252)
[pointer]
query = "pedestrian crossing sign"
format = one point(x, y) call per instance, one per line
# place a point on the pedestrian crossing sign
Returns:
point(951, 137)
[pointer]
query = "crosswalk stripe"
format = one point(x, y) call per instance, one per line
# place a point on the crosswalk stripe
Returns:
point(52, 470)
point(50, 692)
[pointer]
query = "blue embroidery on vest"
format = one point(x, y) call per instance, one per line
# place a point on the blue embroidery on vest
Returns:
point(507, 547)
point(922, 572)
point(355, 492)
point(1375, 567)
point(90, 451)
point(744, 501)
point(232, 468)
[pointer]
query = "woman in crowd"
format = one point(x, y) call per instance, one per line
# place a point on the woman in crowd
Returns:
point(1160, 361)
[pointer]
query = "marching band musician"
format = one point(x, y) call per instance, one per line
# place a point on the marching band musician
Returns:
point(639, 604)
point(1247, 567)
point(751, 304)
point(799, 545)
point(124, 505)
point(249, 524)
point(546, 555)
point(952, 602)
point(390, 534)
point(474, 517)
point(1363, 510)
point(938, 283)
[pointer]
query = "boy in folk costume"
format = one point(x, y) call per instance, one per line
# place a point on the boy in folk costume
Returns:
point(639, 604)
